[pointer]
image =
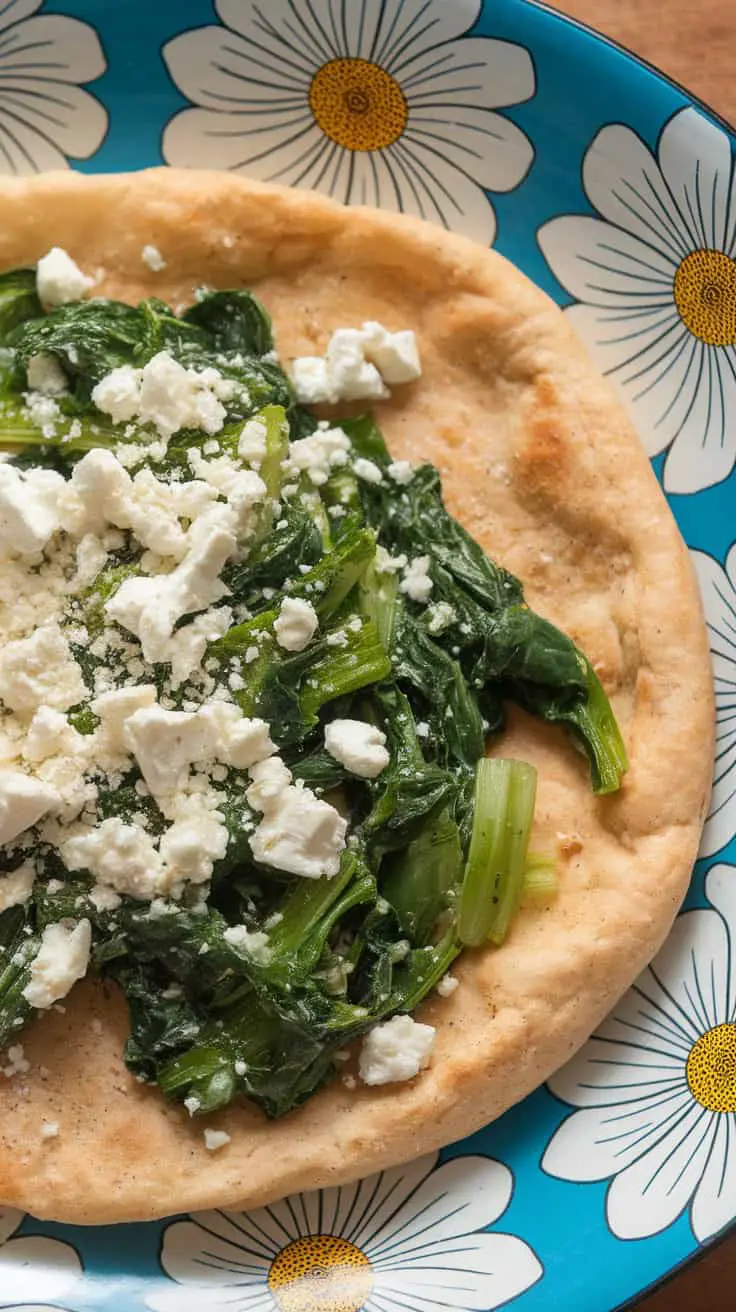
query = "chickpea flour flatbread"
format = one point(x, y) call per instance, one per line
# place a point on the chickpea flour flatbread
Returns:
point(542, 467)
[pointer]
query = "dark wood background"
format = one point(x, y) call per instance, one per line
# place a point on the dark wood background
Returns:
point(695, 42)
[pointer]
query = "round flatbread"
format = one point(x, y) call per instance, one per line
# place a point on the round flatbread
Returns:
point(541, 465)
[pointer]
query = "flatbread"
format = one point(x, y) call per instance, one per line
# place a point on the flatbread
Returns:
point(541, 465)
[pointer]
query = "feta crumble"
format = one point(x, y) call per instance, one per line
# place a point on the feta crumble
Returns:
point(23, 802)
point(401, 471)
point(153, 258)
point(215, 1139)
point(61, 960)
point(396, 1050)
point(16, 885)
point(356, 366)
point(447, 986)
point(416, 582)
point(165, 394)
point(45, 374)
point(440, 616)
point(28, 508)
point(367, 470)
point(296, 624)
point(40, 671)
point(359, 746)
point(299, 833)
point(59, 280)
point(254, 943)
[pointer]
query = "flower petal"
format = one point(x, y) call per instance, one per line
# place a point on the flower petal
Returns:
point(704, 449)
point(714, 1205)
point(220, 1248)
point(487, 147)
point(481, 1272)
point(423, 182)
point(624, 183)
point(67, 117)
point(598, 1142)
point(199, 138)
point(462, 1195)
point(303, 32)
point(364, 1208)
point(387, 31)
point(13, 11)
point(197, 1298)
point(719, 602)
point(695, 159)
point(477, 71)
point(38, 1267)
point(51, 48)
point(607, 266)
point(218, 70)
point(653, 1191)
point(720, 890)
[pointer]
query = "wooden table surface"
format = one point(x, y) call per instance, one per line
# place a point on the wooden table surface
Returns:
point(694, 41)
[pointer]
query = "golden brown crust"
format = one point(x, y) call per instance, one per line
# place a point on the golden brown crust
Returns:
point(544, 469)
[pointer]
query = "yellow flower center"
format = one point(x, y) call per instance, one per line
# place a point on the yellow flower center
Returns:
point(705, 296)
point(358, 104)
point(320, 1273)
point(711, 1069)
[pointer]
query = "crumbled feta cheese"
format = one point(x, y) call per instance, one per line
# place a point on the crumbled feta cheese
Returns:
point(104, 898)
point(296, 624)
point(422, 729)
point(44, 412)
point(388, 564)
point(252, 443)
point(150, 607)
point(23, 801)
point(367, 470)
point(215, 1139)
point(397, 1050)
point(237, 740)
point(166, 394)
point(254, 943)
point(243, 488)
point(28, 508)
point(190, 846)
point(152, 256)
point(50, 734)
point(91, 560)
point(61, 960)
point(192, 1105)
point(16, 885)
point(440, 616)
point(59, 280)
point(40, 670)
point(49, 1129)
point(395, 355)
point(18, 1064)
point(299, 833)
point(114, 709)
point(416, 582)
point(401, 471)
point(165, 744)
point(320, 453)
point(359, 746)
point(312, 381)
point(447, 985)
point(121, 856)
point(45, 374)
point(351, 375)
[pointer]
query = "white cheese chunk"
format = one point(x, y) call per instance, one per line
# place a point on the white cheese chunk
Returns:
point(50, 734)
point(359, 746)
point(312, 381)
point(118, 394)
point(119, 855)
point(353, 377)
point(165, 744)
point(367, 470)
point(254, 943)
point(91, 560)
point(447, 986)
point(187, 645)
point(397, 1050)
point(320, 453)
point(236, 739)
point(215, 1139)
point(416, 582)
point(165, 394)
point(16, 885)
point(151, 606)
point(296, 624)
point(59, 280)
point(28, 508)
point(45, 374)
point(395, 355)
point(61, 960)
point(252, 443)
point(40, 670)
point(401, 471)
point(440, 616)
point(190, 846)
point(153, 258)
point(299, 833)
point(114, 710)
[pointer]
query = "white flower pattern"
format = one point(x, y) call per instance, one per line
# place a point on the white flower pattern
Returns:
point(33, 1266)
point(655, 281)
point(373, 102)
point(656, 1086)
point(45, 114)
point(718, 590)
point(410, 1239)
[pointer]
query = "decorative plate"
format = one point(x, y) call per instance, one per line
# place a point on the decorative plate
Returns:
point(617, 194)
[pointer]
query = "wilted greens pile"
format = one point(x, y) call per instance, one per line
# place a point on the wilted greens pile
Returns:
point(436, 857)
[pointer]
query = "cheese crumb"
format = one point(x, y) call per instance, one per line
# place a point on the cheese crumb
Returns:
point(296, 624)
point(61, 960)
point(45, 374)
point(416, 582)
point(23, 802)
point(356, 366)
point(16, 885)
point(40, 670)
point(359, 746)
point(401, 471)
point(397, 1050)
point(49, 1129)
point(367, 471)
point(152, 256)
point(59, 280)
point(254, 943)
point(28, 508)
point(215, 1139)
point(440, 616)
point(299, 833)
point(166, 394)
point(447, 985)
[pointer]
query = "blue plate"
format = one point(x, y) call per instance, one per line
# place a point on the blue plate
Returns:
point(617, 194)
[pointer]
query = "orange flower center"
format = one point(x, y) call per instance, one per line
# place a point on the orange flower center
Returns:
point(358, 104)
point(705, 296)
point(711, 1069)
point(320, 1273)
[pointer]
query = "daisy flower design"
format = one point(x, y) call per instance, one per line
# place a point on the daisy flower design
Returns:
point(45, 114)
point(373, 102)
point(656, 1086)
point(655, 280)
point(410, 1239)
point(719, 603)
point(33, 1267)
